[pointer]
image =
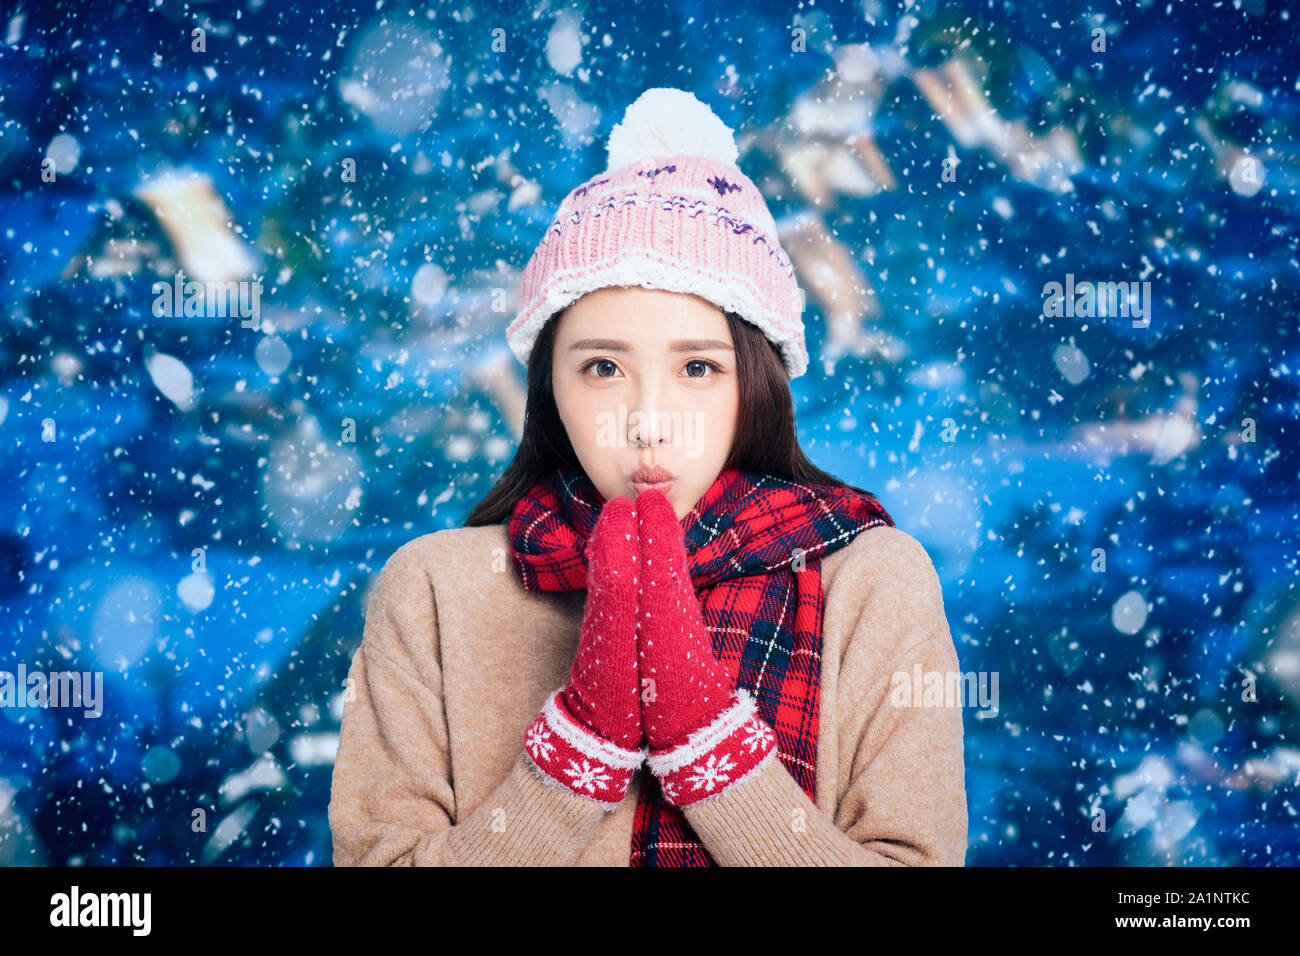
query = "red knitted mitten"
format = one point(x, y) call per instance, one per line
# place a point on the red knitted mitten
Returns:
point(588, 737)
point(704, 734)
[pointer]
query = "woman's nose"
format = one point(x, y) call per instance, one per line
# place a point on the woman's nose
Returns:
point(647, 422)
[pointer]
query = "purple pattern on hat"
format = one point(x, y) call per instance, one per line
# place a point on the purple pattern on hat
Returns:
point(693, 208)
point(582, 190)
point(652, 173)
point(722, 186)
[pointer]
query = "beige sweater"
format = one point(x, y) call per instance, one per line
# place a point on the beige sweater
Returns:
point(457, 658)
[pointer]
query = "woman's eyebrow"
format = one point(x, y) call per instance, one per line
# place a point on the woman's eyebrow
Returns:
point(681, 345)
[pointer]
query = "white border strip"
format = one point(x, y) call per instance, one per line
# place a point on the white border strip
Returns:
point(587, 743)
point(702, 741)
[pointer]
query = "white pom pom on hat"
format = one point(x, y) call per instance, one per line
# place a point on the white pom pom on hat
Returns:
point(664, 121)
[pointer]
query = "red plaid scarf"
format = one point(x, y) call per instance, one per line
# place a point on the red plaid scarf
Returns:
point(765, 617)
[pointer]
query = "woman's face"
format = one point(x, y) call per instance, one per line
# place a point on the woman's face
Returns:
point(646, 379)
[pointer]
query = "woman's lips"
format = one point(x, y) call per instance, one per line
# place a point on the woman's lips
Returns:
point(643, 486)
point(646, 477)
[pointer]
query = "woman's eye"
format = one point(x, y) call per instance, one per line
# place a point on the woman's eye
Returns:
point(606, 368)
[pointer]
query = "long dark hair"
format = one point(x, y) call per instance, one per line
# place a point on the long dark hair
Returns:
point(765, 436)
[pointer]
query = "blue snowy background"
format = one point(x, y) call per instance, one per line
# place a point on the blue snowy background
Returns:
point(196, 508)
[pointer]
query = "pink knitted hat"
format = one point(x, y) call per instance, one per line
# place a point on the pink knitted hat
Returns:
point(672, 211)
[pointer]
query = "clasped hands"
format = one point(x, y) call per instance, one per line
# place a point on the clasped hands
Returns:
point(645, 685)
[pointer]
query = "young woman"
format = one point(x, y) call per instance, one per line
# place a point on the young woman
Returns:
point(664, 638)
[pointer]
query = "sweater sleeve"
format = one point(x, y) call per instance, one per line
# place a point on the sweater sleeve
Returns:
point(392, 802)
point(902, 799)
